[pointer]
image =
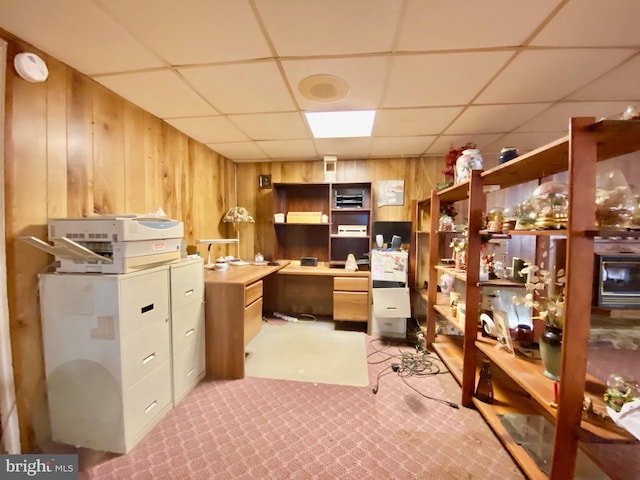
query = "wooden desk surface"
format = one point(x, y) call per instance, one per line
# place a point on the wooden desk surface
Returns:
point(244, 274)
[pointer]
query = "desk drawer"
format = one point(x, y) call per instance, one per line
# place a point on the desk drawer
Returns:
point(252, 292)
point(252, 320)
point(351, 306)
point(351, 284)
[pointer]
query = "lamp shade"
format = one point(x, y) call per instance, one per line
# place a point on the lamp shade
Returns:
point(238, 215)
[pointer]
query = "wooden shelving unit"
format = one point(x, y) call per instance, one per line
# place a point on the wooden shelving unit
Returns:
point(519, 383)
point(344, 204)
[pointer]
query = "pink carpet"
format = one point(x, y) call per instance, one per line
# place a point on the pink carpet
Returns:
point(278, 429)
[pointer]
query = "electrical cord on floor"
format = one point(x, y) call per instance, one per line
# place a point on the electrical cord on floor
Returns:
point(409, 364)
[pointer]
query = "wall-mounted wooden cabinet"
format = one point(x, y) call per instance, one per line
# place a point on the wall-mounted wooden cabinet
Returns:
point(329, 221)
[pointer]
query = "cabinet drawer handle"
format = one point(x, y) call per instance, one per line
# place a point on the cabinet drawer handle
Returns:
point(148, 358)
point(151, 406)
point(188, 292)
point(190, 372)
point(146, 309)
point(190, 332)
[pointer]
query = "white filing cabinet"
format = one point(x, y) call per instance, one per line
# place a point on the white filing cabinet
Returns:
point(391, 305)
point(108, 356)
point(187, 326)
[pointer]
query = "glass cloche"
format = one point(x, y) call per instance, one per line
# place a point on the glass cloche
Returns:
point(551, 201)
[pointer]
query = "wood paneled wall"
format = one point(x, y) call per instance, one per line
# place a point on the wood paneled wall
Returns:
point(72, 148)
point(420, 176)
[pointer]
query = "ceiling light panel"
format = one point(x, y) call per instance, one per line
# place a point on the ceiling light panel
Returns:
point(341, 124)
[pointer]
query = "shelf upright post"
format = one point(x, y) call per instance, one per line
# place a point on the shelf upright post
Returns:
point(476, 207)
point(432, 278)
point(583, 153)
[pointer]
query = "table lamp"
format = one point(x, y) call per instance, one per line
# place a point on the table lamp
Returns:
point(238, 215)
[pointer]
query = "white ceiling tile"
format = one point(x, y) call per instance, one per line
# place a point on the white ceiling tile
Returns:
point(593, 22)
point(161, 93)
point(76, 32)
point(440, 24)
point(239, 151)
point(556, 118)
point(548, 75)
point(201, 31)
point(524, 142)
point(209, 129)
point(359, 147)
point(440, 79)
point(241, 88)
point(494, 118)
point(444, 143)
point(400, 146)
point(413, 121)
point(311, 27)
point(272, 126)
point(366, 77)
point(619, 84)
point(289, 149)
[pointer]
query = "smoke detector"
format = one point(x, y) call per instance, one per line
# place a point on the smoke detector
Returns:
point(323, 88)
point(31, 67)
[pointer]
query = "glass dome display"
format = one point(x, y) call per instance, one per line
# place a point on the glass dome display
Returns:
point(615, 204)
point(551, 201)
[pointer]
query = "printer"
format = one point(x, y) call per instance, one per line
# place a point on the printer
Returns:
point(112, 243)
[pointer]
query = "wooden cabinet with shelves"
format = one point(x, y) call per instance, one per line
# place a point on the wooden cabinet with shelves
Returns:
point(575, 155)
point(346, 207)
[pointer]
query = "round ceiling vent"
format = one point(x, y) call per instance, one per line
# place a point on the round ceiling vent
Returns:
point(323, 88)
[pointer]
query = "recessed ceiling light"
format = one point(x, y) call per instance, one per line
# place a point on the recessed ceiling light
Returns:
point(323, 88)
point(341, 124)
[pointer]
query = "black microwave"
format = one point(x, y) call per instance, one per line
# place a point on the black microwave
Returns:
point(616, 280)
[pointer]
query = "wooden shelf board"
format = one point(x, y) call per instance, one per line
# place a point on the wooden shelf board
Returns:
point(445, 312)
point(537, 233)
point(449, 349)
point(501, 282)
point(457, 274)
point(616, 137)
point(529, 375)
point(612, 233)
point(491, 415)
point(544, 161)
point(508, 398)
point(454, 193)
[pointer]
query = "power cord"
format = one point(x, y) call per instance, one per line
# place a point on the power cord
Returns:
point(409, 364)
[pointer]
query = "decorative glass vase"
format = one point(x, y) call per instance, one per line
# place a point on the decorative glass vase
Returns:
point(469, 160)
point(550, 348)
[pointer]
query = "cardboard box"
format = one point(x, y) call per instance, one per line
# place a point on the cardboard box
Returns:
point(304, 217)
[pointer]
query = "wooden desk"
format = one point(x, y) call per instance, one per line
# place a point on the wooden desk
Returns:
point(235, 300)
point(320, 290)
point(233, 316)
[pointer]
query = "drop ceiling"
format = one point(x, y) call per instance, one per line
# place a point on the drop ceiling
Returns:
point(439, 72)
